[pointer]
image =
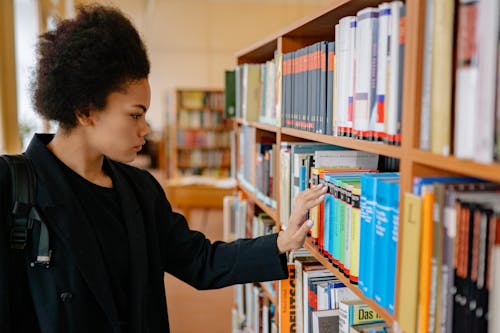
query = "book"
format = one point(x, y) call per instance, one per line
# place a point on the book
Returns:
point(409, 269)
point(425, 257)
point(354, 312)
point(287, 303)
point(369, 328)
point(369, 182)
point(325, 321)
point(365, 73)
point(383, 234)
point(494, 279)
point(441, 95)
point(466, 82)
point(230, 94)
point(394, 190)
point(251, 92)
point(384, 15)
point(300, 263)
point(488, 27)
point(425, 108)
point(392, 124)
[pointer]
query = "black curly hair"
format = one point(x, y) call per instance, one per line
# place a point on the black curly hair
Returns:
point(85, 59)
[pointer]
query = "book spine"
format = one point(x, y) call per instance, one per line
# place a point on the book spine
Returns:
point(442, 76)
point(355, 236)
point(466, 82)
point(425, 110)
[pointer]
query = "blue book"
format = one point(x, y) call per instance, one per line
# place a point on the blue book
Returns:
point(328, 220)
point(339, 217)
point(393, 244)
point(367, 229)
point(383, 229)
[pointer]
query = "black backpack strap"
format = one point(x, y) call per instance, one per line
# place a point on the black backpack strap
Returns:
point(24, 210)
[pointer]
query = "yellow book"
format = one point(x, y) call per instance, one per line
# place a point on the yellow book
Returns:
point(355, 233)
point(426, 238)
point(441, 82)
point(409, 268)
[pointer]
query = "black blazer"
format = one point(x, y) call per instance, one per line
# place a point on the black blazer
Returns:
point(74, 295)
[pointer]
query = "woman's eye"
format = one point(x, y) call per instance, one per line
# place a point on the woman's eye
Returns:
point(136, 116)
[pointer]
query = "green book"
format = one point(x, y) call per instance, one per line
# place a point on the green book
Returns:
point(230, 94)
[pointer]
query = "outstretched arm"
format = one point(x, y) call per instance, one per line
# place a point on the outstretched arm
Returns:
point(295, 234)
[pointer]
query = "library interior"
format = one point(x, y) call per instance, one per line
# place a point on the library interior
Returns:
point(305, 166)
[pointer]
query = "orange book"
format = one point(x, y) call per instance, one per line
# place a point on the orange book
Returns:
point(425, 258)
point(287, 305)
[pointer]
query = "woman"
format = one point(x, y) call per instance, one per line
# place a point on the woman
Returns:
point(112, 232)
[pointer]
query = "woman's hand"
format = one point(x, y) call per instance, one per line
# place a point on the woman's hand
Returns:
point(295, 234)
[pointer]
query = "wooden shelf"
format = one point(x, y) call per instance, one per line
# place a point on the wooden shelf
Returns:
point(368, 146)
point(268, 294)
point(489, 172)
point(381, 311)
point(268, 210)
point(221, 128)
point(190, 166)
point(213, 101)
point(201, 108)
point(265, 127)
point(203, 147)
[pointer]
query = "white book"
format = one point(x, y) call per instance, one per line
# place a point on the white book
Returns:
point(229, 204)
point(344, 71)
point(323, 296)
point(384, 12)
point(466, 82)
point(488, 23)
point(345, 158)
point(284, 185)
point(337, 99)
point(395, 70)
point(265, 318)
point(366, 72)
point(351, 70)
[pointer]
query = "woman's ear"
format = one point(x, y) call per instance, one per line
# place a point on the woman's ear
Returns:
point(85, 119)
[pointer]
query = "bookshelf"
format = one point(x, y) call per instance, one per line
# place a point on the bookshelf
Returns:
point(199, 134)
point(413, 161)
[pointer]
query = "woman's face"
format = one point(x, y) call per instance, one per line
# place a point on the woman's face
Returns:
point(119, 130)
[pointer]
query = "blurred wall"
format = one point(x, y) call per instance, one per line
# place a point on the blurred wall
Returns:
point(192, 42)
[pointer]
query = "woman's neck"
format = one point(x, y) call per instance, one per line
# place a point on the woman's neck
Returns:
point(72, 148)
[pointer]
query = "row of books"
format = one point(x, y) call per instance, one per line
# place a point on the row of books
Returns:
point(297, 159)
point(203, 158)
point(256, 163)
point(241, 220)
point(194, 139)
point(199, 119)
point(313, 300)
point(265, 170)
point(461, 116)
point(218, 172)
point(251, 91)
point(356, 227)
point(450, 252)
point(197, 99)
point(253, 313)
point(353, 86)
point(350, 87)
